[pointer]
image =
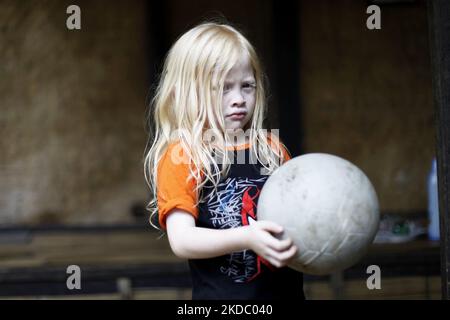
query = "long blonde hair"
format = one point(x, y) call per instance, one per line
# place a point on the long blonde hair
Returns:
point(188, 101)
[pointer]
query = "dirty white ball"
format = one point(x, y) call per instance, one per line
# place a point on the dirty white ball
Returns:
point(327, 206)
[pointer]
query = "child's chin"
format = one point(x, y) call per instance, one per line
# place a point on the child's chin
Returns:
point(236, 125)
point(236, 130)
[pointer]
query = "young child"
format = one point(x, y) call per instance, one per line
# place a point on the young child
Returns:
point(208, 162)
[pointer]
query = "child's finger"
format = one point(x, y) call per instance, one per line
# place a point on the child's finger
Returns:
point(281, 259)
point(282, 255)
point(279, 245)
point(275, 263)
point(271, 256)
point(272, 242)
point(288, 254)
point(285, 244)
point(271, 226)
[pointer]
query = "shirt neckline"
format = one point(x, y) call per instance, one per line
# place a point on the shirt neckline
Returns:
point(239, 146)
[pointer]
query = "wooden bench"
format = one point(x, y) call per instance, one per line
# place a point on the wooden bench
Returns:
point(34, 261)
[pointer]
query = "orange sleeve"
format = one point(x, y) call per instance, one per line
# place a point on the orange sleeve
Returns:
point(173, 189)
point(285, 153)
point(276, 142)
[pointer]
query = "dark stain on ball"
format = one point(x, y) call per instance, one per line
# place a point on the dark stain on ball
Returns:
point(291, 177)
point(349, 171)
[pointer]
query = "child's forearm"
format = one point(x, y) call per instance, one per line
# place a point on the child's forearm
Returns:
point(202, 243)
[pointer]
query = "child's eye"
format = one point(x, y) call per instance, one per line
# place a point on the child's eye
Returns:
point(248, 86)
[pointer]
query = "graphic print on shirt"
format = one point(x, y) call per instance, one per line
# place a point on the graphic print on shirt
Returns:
point(234, 205)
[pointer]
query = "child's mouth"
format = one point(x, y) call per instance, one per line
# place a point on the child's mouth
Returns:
point(237, 116)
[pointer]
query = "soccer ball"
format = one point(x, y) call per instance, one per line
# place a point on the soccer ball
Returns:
point(327, 206)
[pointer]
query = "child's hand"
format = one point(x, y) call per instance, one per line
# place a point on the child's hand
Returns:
point(277, 252)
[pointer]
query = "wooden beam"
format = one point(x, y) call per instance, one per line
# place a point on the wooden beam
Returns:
point(439, 31)
point(158, 37)
point(286, 38)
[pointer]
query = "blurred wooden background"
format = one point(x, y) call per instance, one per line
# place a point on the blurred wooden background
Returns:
point(33, 265)
point(73, 102)
point(73, 131)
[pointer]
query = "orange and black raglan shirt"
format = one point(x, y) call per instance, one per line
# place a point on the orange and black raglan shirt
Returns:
point(239, 275)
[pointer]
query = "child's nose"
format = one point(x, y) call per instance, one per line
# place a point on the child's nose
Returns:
point(238, 99)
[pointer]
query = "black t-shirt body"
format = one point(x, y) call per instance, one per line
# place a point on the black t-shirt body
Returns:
point(240, 275)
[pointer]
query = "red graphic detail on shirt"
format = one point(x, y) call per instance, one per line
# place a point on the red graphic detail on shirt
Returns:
point(248, 215)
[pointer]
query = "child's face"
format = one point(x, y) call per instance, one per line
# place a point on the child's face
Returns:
point(239, 94)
